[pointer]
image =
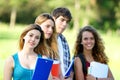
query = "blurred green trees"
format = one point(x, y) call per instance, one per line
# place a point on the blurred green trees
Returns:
point(102, 14)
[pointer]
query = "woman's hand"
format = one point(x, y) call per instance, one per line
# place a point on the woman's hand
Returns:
point(55, 78)
point(90, 77)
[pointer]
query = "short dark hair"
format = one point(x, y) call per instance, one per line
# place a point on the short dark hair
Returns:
point(61, 11)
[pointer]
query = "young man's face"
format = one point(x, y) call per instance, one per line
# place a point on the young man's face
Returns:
point(61, 24)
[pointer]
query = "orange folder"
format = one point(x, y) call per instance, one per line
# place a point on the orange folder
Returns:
point(55, 68)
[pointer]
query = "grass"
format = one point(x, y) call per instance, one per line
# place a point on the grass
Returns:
point(9, 43)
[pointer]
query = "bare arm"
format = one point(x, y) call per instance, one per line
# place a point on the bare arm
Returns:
point(78, 69)
point(50, 76)
point(110, 75)
point(8, 69)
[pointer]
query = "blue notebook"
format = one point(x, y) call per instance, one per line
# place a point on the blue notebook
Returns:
point(42, 69)
point(70, 68)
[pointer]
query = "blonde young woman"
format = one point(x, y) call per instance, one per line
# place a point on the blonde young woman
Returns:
point(20, 66)
point(47, 24)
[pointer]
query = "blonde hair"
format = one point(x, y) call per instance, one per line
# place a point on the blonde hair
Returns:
point(52, 41)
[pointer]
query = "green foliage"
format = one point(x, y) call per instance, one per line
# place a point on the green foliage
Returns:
point(102, 14)
point(106, 12)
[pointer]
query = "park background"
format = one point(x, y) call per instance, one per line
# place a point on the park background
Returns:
point(104, 15)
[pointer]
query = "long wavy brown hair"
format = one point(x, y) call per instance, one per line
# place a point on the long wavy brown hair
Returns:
point(52, 41)
point(98, 52)
point(41, 48)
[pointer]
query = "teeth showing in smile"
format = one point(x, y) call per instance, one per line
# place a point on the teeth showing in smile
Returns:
point(31, 43)
point(89, 45)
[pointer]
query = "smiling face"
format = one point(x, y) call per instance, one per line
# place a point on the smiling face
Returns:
point(32, 38)
point(61, 24)
point(88, 40)
point(47, 27)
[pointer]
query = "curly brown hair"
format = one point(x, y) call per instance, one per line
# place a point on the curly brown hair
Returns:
point(98, 49)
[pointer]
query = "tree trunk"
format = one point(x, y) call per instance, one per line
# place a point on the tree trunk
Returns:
point(76, 17)
point(13, 18)
point(86, 18)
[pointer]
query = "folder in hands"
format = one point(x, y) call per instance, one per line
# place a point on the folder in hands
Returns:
point(98, 70)
point(42, 69)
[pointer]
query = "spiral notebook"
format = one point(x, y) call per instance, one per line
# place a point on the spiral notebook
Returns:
point(42, 69)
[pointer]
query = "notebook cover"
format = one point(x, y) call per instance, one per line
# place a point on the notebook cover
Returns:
point(98, 70)
point(55, 68)
point(42, 69)
point(67, 73)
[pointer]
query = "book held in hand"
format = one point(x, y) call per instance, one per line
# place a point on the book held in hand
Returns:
point(42, 69)
point(98, 70)
point(55, 68)
point(67, 73)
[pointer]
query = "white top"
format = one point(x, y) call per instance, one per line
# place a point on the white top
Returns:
point(60, 49)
